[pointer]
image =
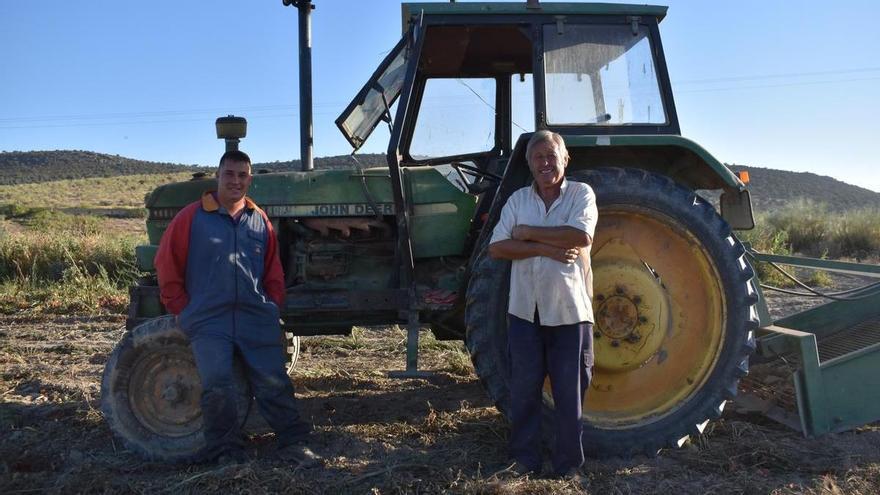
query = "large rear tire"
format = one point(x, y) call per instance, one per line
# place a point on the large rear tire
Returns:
point(674, 318)
point(151, 391)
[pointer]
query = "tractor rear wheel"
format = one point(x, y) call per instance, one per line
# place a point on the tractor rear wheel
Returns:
point(673, 310)
point(151, 391)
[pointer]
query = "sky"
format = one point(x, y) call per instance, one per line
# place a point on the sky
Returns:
point(791, 85)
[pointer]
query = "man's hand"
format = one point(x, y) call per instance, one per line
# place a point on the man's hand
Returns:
point(562, 255)
point(520, 233)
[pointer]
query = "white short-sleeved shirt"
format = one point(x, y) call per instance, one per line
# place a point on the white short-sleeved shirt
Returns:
point(561, 292)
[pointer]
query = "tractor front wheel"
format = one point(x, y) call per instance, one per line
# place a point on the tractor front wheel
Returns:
point(151, 391)
point(673, 316)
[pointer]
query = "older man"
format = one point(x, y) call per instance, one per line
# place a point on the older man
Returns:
point(546, 229)
point(220, 273)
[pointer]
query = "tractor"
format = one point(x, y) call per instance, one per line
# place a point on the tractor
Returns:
point(678, 308)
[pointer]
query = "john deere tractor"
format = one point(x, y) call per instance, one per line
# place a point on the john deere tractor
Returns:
point(676, 301)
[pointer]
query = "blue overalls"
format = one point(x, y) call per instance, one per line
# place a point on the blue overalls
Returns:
point(228, 312)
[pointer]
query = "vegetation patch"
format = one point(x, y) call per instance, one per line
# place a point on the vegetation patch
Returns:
point(63, 263)
point(812, 229)
point(101, 194)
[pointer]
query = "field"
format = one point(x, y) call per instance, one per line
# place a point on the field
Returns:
point(378, 435)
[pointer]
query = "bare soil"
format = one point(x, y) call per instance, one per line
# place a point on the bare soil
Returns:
point(377, 434)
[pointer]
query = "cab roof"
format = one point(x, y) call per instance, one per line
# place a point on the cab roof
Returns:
point(409, 9)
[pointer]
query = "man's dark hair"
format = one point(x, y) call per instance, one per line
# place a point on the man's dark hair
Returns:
point(235, 156)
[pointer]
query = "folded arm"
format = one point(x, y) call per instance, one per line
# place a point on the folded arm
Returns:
point(514, 249)
point(562, 237)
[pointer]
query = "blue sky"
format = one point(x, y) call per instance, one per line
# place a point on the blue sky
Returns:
point(787, 85)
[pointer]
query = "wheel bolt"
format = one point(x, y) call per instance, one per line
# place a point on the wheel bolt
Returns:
point(171, 393)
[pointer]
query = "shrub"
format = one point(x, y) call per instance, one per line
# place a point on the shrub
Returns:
point(767, 238)
point(856, 235)
point(60, 223)
point(806, 225)
point(44, 257)
point(76, 292)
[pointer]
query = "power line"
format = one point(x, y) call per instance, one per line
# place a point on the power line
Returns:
point(781, 85)
point(779, 76)
point(156, 117)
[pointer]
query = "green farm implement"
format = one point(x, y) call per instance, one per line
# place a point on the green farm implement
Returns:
point(679, 310)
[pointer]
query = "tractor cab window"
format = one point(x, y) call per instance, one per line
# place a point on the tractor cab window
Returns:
point(522, 105)
point(600, 75)
point(456, 117)
point(373, 103)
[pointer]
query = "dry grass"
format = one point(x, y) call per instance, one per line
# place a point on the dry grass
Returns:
point(378, 435)
point(96, 194)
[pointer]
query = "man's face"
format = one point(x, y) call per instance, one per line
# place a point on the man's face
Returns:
point(233, 181)
point(547, 165)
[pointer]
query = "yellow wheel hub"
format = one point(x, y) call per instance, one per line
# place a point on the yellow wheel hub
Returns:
point(630, 309)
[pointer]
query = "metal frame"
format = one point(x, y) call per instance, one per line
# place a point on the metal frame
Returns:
point(840, 392)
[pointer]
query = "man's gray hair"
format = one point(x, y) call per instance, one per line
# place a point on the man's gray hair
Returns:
point(547, 136)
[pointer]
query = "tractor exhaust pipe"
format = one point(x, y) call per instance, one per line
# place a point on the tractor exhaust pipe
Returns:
point(305, 8)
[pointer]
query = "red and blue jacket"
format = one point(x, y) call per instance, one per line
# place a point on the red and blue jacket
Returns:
point(217, 273)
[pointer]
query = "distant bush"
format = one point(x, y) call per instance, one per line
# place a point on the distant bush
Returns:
point(63, 224)
point(806, 226)
point(809, 229)
point(766, 238)
point(856, 234)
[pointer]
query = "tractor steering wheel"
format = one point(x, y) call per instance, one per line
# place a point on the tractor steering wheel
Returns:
point(490, 179)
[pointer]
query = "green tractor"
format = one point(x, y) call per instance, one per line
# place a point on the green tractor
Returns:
point(676, 301)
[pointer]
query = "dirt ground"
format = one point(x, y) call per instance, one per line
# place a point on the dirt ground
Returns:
point(378, 435)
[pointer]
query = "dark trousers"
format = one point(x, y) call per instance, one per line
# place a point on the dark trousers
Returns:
point(565, 353)
point(263, 359)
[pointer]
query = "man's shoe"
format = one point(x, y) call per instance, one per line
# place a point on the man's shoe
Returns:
point(575, 476)
point(300, 454)
point(516, 470)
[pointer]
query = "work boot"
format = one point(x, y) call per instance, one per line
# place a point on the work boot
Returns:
point(516, 470)
point(300, 455)
point(575, 477)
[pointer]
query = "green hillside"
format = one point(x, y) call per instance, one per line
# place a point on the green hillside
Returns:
point(28, 167)
point(25, 167)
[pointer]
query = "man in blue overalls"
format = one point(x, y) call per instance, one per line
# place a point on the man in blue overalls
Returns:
point(220, 274)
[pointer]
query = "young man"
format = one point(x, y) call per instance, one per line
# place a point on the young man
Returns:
point(546, 229)
point(220, 274)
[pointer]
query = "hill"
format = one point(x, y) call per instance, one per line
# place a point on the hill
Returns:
point(770, 188)
point(27, 167)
